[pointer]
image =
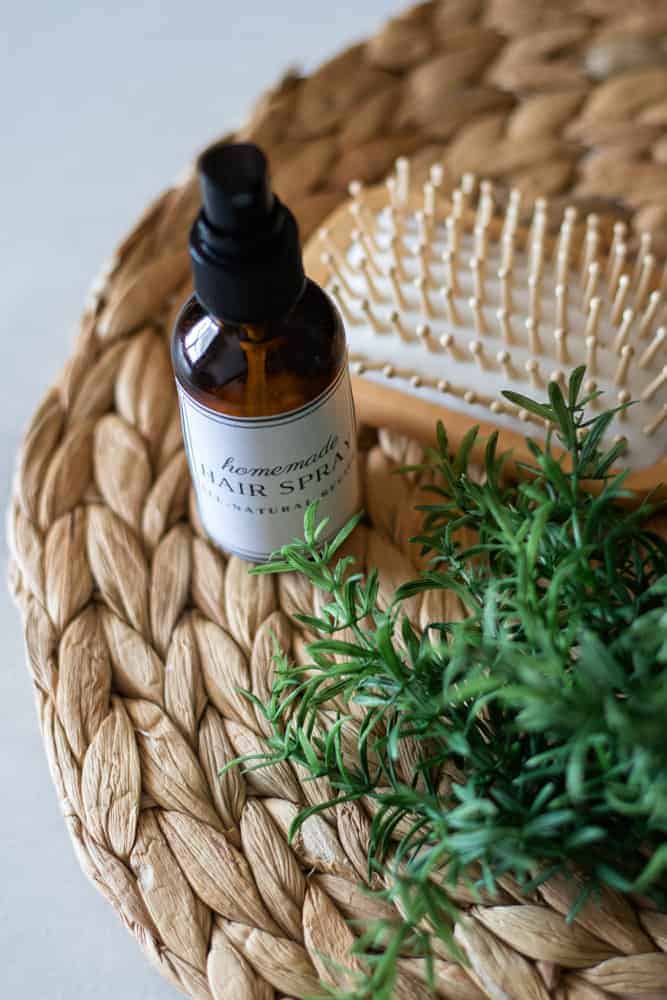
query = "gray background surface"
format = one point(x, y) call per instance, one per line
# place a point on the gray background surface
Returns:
point(100, 107)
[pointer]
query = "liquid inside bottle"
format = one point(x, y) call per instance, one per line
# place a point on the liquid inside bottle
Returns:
point(259, 370)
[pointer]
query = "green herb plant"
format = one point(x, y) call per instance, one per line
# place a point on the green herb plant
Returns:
point(538, 721)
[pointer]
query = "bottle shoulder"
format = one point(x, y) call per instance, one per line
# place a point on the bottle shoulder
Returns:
point(251, 371)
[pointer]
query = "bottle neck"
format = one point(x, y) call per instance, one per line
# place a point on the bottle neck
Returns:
point(253, 331)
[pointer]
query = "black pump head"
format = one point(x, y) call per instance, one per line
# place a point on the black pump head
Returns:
point(244, 244)
point(235, 188)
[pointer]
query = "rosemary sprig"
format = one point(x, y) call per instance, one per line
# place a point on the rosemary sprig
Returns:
point(536, 724)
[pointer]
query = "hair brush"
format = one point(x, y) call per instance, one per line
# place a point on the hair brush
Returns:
point(448, 301)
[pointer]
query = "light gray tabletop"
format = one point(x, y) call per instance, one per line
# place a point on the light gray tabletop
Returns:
point(101, 105)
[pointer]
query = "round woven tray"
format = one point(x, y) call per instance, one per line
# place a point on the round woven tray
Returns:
point(139, 632)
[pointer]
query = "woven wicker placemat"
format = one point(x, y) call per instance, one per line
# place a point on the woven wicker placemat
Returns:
point(139, 632)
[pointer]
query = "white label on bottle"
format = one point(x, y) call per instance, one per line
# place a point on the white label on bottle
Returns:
point(255, 477)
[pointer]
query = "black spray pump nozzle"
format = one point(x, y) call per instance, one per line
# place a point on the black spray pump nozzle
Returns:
point(244, 244)
point(234, 179)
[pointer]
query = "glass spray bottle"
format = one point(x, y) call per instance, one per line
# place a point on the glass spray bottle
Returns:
point(260, 360)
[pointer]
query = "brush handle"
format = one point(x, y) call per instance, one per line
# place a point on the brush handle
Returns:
point(381, 406)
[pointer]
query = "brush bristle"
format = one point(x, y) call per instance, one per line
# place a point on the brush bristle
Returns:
point(456, 302)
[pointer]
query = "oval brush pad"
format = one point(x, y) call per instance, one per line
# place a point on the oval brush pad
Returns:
point(447, 302)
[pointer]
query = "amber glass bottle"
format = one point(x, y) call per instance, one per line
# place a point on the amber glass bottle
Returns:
point(260, 361)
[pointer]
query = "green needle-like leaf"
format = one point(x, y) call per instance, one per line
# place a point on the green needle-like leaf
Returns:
point(521, 732)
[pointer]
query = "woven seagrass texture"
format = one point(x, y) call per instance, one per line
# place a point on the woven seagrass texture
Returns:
point(139, 632)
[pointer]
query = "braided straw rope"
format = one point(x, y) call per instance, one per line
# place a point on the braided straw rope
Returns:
point(139, 632)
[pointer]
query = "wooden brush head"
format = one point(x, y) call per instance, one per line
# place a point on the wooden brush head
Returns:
point(448, 302)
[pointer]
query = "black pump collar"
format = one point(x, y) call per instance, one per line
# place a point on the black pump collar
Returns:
point(244, 244)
